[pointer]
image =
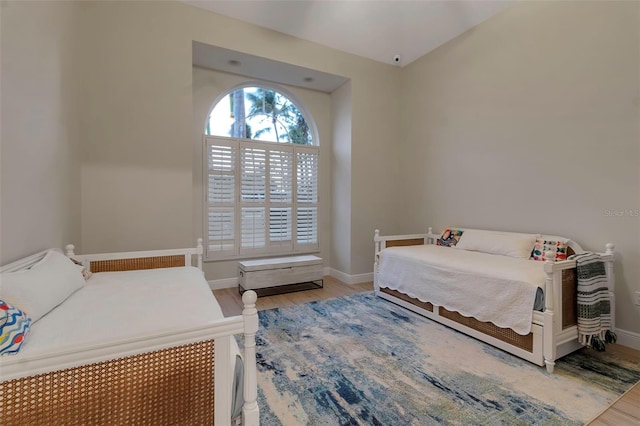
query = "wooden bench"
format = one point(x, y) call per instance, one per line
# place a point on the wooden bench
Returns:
point(280, 275)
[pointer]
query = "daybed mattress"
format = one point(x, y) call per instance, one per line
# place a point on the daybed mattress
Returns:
point(498, 289)
point(117, 305)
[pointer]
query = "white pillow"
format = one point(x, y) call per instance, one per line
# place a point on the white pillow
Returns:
point(510, 244)
point(47, 284)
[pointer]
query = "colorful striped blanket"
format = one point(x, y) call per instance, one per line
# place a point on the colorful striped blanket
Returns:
point(594, 305)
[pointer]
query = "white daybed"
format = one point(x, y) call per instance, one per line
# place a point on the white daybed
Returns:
point(413, 272)
point(143, 341)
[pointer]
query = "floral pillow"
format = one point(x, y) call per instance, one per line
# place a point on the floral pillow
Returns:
point(449, 237)
point(14, 325)
point(542, 246)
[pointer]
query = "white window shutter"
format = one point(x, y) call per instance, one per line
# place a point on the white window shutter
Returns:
point(261, 198)
point(253, 229)
point(220, 198)
point(280, 199)
point(307, 198)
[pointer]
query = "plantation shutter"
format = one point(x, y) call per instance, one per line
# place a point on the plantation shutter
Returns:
point(281, 199)
point(307, 198)
point(220, 203)
point(253, 176)
point(261, 198)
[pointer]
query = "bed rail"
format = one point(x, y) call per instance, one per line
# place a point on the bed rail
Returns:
point(134, 260)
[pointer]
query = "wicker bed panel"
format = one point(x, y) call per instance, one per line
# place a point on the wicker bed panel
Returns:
point(505, 334)
point(166, 387)
point(115, 265)
point(401, 243)
point(424, 305)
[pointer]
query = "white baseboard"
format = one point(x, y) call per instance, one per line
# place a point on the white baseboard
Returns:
point(223, 283)
point(628, 338)
point(345, 278)
point(351, 279)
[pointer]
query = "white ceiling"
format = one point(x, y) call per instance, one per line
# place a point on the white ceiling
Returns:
point(375, 29)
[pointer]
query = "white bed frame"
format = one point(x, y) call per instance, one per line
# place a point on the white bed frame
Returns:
point(245, 324)
point(550, 340)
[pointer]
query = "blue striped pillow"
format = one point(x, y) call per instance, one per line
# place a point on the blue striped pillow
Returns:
point(14, 325)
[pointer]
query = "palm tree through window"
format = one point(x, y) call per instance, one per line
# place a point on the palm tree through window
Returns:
point(261, 114)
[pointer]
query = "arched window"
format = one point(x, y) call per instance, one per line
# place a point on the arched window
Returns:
point(261, 114)
point(261, 176)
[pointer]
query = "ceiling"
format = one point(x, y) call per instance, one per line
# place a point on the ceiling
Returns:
point(376, 29)
point(221, 59)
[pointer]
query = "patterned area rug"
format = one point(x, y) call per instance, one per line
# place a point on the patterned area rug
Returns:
point(360, 360)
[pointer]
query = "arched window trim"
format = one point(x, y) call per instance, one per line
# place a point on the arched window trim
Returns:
point(277, 88)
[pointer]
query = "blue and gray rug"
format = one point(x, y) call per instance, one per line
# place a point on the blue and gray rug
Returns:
point(360, 360)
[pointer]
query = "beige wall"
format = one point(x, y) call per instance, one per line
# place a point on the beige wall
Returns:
point(341, 178)
point(138, 162)
point(39, 137)
point(137, 159)
point(209, 86)
point(530, 122)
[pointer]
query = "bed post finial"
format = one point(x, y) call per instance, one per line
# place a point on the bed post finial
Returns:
point(69, 250)
point(610, 248)
point(376, 235)
point(430, 230)
point(250, 410)
point(549, 256)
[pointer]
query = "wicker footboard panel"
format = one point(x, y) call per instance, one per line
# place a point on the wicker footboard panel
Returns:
point(395, 293)
point(505, 334)
point(173, 386)
point(134, 264)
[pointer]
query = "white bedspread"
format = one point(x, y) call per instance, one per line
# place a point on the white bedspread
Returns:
point(117, 305)
point(488, 287)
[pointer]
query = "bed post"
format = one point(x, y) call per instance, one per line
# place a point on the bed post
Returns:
point(610, 253)
point(199, 250)
point(548, 341)
point(378, 247)
point(250, 410)
point(69, 248)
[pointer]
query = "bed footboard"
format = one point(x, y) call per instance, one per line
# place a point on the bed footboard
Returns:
point(168, 386)
point(177, 377)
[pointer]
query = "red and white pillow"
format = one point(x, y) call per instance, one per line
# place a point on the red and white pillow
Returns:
point(542, 246)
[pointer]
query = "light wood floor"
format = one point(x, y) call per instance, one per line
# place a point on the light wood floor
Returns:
point(625, 411)
point(231, 302)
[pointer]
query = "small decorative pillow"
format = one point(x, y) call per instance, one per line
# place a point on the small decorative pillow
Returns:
point(14, 325)
point(542, 246)
point(449, 237)
point(86, 274)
